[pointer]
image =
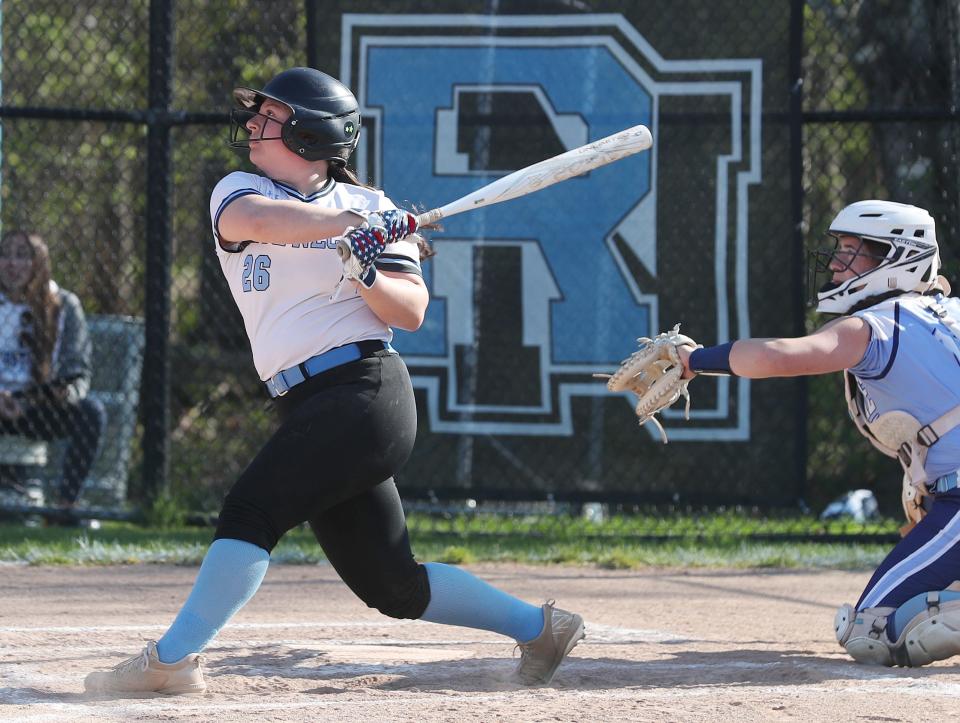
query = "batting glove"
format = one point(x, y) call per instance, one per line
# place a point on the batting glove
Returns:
point(361, 247)
point(398, 223)
point(358, 249)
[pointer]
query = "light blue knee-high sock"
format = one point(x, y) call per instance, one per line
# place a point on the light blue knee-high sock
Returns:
point(229, 576)
point(910, 609)
point(459, 598)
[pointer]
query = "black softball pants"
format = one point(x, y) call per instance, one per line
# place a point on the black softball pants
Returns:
point(344, 434)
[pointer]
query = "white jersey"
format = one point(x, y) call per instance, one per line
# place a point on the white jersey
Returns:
point(912, 364)
point(285, 291)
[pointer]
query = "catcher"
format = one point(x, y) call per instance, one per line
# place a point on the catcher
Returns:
point(897, 343)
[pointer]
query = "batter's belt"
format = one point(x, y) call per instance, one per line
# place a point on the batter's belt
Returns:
point(283, 381)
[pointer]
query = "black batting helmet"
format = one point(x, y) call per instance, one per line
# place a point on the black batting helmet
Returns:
point(324, 123)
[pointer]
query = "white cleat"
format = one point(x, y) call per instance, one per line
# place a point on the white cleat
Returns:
point(144, 673)
point(540, 658)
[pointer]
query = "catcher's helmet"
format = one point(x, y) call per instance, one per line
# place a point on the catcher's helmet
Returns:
point(909, 259)
point(324, 123)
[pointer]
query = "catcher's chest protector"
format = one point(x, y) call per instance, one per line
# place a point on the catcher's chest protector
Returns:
point(897, 433)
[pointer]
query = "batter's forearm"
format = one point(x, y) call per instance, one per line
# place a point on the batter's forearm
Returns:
point(282, 222)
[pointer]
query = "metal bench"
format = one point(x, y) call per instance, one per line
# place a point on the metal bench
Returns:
point(21, 451)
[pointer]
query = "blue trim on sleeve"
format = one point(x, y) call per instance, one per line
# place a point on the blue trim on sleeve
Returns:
point(227, 201)
point(240, 245)
point(896, 344)
point(398, 263)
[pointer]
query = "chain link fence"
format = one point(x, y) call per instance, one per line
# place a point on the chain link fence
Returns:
point(880, 121)
point(767, 117)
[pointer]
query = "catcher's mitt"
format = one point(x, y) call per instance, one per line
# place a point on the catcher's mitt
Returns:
point(653, 373)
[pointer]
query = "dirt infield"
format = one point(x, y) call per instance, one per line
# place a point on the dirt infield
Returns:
point(661, 646)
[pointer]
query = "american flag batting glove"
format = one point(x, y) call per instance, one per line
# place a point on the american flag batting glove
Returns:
point(367, 243)
point(361, 247)
point(398, 223)
point(358, 249)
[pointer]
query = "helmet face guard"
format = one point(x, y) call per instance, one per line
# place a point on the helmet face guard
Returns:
point(825, 261)
point(909, 261)
point(240, 134)
point(324, 122)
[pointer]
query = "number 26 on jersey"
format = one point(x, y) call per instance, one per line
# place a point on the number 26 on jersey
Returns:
point(256, 273)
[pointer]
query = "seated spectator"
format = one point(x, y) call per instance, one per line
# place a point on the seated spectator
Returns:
point(45, 361)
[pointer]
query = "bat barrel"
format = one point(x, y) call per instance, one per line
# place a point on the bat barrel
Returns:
point(547, 172)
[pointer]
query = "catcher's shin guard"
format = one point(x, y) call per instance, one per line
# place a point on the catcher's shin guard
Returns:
point(932, 634)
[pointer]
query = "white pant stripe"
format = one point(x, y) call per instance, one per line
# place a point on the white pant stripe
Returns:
point(925, 555)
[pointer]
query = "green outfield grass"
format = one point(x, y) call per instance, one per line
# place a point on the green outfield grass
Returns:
point(716, 540)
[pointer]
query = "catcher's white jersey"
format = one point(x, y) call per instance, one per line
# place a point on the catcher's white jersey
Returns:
point(912, 364)
point(284, 291)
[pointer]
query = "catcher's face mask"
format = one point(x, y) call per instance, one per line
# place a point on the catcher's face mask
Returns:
point(854, 272)
point(849, 260)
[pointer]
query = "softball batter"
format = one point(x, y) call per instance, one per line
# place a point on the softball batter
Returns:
point(320, 332)
point(898, 345)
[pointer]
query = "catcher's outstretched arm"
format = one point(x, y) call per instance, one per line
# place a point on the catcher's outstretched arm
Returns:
point(837, 346)
point(660, 370)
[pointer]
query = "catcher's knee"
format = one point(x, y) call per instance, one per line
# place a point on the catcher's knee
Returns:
point(932, 634)
point(405, 598)
point(863, 634)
